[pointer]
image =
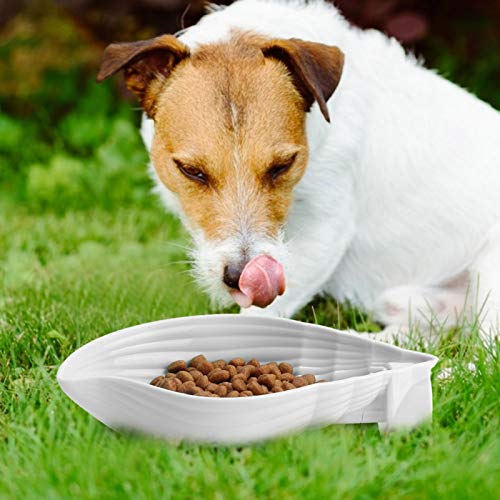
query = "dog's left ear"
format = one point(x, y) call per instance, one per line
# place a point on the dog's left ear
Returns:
point(146, 65)
point(315, 68)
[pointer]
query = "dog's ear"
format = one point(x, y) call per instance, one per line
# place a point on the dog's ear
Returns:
point(315, 68)
point(146, 65)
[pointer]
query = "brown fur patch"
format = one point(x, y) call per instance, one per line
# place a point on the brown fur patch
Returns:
point(232, 113)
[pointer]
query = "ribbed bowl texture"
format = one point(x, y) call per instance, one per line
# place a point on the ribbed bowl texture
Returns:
point(368, 381)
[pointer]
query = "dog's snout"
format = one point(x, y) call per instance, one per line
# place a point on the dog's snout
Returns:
point(232, 273)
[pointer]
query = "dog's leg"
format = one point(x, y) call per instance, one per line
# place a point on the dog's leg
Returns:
point(484, 301)
point(424, 309)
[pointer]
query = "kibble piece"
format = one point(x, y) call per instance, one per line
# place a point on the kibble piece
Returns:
point(252, 379)
point(256, 388)
point(221, 391)
point(246, 393)
point(286, 377)
point(299, 382)
point(227, 385)
point(203, 393)
point(177, 382)
point(219, 363)
point(186, 386)
point(263, 370)
point(231, 369)
point(239, 384)
point(237, 362)
point(239, 376)
point(185, 376)
point(202, 381)
point(196, 374)
point(285, 367)
point(233, 394)
point(204, 366)
point(267, 380)
point(254, 362)
point(196, 390)
point(247, 370)
point(218, 376)
point(274, 369)
point(177, 366)
point(278, 383)
point(277, 389)
point(211, 387)
point(171, 375)
point(311, 379)
point(197, 359)
point(157, 380)
point(288, 386)
point(168, 383)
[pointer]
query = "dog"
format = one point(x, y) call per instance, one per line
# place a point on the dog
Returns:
point(306, 156)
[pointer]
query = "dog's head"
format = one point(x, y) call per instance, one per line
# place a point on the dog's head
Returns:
point(230, 142)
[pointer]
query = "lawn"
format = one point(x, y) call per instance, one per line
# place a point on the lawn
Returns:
point(85, 249)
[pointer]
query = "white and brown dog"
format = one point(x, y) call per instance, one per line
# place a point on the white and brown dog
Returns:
point(298, 149)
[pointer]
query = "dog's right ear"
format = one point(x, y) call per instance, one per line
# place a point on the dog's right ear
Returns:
point(146, 65)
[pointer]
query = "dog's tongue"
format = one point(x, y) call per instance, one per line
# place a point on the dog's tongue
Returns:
point(260, 283)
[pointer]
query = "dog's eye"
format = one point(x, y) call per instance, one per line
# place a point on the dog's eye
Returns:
point(280, 168)
point(193, 173)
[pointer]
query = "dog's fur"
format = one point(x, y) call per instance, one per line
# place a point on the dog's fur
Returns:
point(394, 205)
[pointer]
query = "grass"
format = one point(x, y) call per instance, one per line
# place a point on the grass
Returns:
point(84, 250)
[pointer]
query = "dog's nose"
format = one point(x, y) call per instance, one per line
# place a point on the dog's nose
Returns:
point(232, 273)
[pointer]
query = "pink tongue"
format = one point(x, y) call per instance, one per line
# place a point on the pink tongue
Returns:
point(260, 283)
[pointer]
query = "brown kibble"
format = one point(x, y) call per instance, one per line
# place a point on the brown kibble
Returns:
point(256, 388)
point(240, 376)
point(274, 369)
point(285, 367)
point(205, 367)
point(169, 384)
point(238, 384)
point(157, 380)
point(277, 389)
point(254, 362)
point(233, 394)
point(227, 385)
point(278, 383)
point(267, 380)
point(219, 363)
point(196, 374)
point(186, 387)
point(311, 379)
point(299, 382)
point(232, 370)
point(263, 370)
point(221, 391)
point(177, 382)
point(211, 387)
point(218, 375)
point(171, 375)
point(177, 366)
point(202, 381)
point(246, 393)
point(204, 393)
point(286, 377)
point(196, 390)
point(252, 379)
point(288, 386)
point(197, 359)
point(247, 370)
point(237, 362)
point(185, 376)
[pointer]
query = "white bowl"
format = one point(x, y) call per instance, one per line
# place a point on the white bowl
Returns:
point(369, 381)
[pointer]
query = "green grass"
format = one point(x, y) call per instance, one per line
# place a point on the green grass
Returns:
point(86, 250)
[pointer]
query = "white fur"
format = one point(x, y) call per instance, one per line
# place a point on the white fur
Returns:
point(402, 190)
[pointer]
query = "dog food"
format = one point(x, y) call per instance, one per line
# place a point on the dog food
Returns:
point(236, 379)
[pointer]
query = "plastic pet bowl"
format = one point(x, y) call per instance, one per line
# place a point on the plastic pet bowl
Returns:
point(368, 381)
